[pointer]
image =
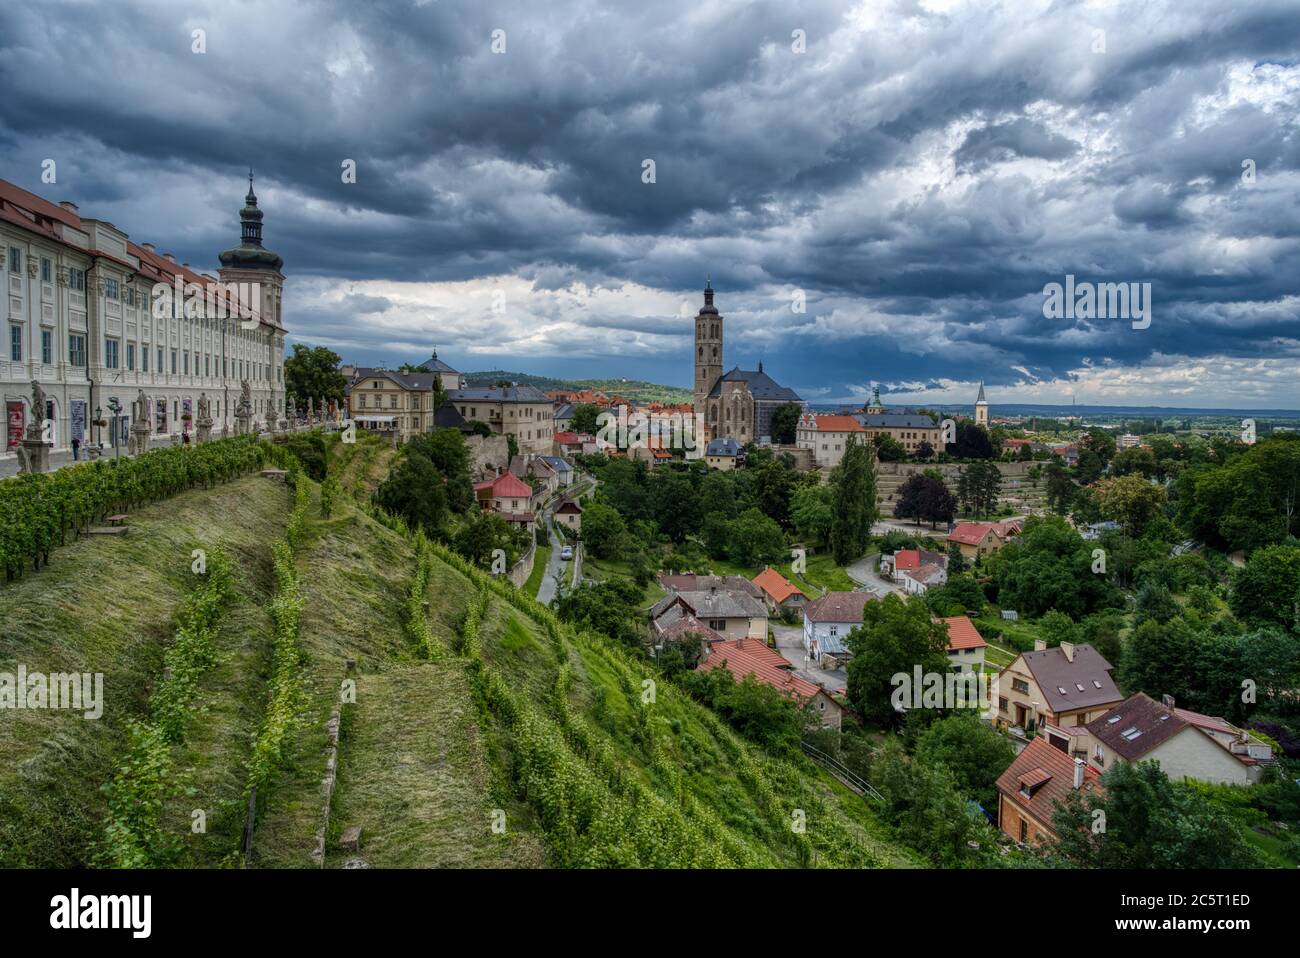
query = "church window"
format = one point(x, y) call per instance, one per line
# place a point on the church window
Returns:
point(715, 352)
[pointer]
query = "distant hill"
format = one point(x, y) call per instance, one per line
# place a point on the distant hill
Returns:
point(636, 390)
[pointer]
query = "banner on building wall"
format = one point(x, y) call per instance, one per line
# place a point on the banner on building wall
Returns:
point(186, 410)
point(123, 429)
point(160, 416)
point(78, 412)
point(15, 409)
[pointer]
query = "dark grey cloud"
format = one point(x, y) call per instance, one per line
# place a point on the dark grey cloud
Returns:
point(919, 174)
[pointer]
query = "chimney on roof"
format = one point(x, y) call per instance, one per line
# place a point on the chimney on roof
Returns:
point(148, 246)
point(1068, 649)
point(169, 257)
point(1040, 645)
point(68, 205)
point(186, 265)
point(1167, 700)
point(1078, 774)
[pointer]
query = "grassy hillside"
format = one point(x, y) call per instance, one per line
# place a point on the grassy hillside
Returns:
point(508, 741)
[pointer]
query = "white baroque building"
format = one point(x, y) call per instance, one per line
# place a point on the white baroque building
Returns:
point(77, 304)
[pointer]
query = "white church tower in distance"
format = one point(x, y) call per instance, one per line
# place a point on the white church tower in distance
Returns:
point(981, 409)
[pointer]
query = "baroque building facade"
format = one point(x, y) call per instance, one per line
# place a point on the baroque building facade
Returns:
point(736, 404)
point(82, 321)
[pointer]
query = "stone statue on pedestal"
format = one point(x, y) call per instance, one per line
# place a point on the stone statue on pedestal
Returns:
point(244, 410)
point(34, 450)
point(204, 424)
point(138, 441)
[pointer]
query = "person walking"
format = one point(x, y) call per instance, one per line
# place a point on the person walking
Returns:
point(76, 448)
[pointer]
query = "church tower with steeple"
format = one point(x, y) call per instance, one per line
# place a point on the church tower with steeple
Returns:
point(257, 354)
point(981, 409)
point(708, 348)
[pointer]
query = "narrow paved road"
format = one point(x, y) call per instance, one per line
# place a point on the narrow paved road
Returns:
point(789, 642)
point(555, 566)
point(864, 573)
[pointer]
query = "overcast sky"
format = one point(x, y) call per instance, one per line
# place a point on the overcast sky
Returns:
point(919, 171)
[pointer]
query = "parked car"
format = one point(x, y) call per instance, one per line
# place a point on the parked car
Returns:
point(566, 553)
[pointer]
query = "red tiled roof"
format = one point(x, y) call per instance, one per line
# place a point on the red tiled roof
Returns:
point(506, 485)
point(775, 585)
point(1211, 722)
point(906, 559)
point(962, 634)
point(566, 438)
point(744, 657)
point(1049, 773)
point(838, 424)
point(971, 533)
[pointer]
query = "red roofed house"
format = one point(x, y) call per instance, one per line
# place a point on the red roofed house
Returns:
point(965, 645)
point(507, 495)
point(976, 539)
point(892, 566)
point(924, 577)
point(742, 657)
point(1034, 784)
point(827, 436)
point(778, 591)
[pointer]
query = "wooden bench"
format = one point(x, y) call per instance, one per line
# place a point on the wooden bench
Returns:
point(116, 520)
point(108, 530)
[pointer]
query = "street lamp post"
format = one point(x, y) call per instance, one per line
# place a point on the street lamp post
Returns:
point(116, 408)
point(99, 432)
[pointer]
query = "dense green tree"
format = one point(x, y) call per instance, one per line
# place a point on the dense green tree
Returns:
point(673, 504)
point(757, 711)
point(978, 486)
point(716, 532)
point(811, 512)
point(447, 450)
point(416, 491)
point(927, 811)
point(603, 530)
point(584, 419)
point(924, 498)
point(483, 533)
point(1202, 670)
point(1060, 488)
point(1149, 822)
point(895, 636)
point(612, 607)
point(755, 540)
point(785, 423)
point(1267, 590)
point(971, 442)
point(1131, 501)
point(1155, 602)
point(1249, 499)
point(313, 372)
point(974, 753)
point(888, 449)
point(1050, 567)
point(853, 503)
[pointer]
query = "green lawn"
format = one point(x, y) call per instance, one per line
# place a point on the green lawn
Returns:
point(539, 570)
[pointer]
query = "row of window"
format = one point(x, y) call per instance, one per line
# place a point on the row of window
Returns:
point(113, 357)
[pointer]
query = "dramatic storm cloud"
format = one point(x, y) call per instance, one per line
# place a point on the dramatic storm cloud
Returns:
point(919, 170)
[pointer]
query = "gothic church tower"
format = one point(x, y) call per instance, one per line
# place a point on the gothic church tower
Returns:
point(708, 349)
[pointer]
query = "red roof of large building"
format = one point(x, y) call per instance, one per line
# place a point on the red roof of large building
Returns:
point(505, 486)
point(962, 634)
point(971, 533)
point(744, 657)
point(567, 438)
point(838, 424)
